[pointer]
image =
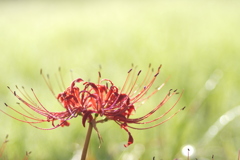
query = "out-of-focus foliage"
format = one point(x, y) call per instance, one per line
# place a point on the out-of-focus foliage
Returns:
point(197, 42)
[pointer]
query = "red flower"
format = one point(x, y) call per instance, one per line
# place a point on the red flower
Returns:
point(103, 99)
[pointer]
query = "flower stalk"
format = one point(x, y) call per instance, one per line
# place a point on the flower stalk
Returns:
point(87, 140)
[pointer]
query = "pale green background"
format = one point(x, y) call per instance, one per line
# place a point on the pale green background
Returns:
point(197, 42)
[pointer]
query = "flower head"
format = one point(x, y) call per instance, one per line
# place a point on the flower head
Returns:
point(98, 103)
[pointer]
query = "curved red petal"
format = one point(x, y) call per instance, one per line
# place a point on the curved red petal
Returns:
point(86, 116)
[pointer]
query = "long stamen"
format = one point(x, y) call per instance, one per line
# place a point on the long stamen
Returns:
point(145, 80)
point(154, 110)
point(47, 81)
point(24, 94)
point(144, 91)
point(99, 74)
point(127, 79)
point(160, 122)
point(20, 114)
point(61, 77)
point(132, 78)
point(26, 110)
point(134, 83)
point(99, 77)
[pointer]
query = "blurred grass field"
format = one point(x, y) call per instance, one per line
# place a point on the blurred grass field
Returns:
point(197, 42)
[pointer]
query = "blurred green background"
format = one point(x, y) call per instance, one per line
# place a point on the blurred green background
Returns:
point(197, 42)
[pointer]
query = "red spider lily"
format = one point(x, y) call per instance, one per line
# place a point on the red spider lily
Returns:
point(102, 99)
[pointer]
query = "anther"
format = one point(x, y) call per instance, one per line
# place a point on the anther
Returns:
point(27, 153)
point(41, 71)
point(183, 107)
point(99, 74)
point(159, 67)
point(6, 104)
point(14, 93)
point(129, 70)
point(139, 72)
point(149, 65)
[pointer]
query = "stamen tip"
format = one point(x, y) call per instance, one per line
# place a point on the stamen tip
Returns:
point(6, 104)
point(159, 68)
point(183, 107)
point(129, 70)
point(27, 153)
point(139, 72)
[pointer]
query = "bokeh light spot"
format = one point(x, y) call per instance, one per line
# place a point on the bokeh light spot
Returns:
point(188, 150)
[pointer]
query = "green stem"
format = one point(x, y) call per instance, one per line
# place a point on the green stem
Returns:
point(87, 140)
